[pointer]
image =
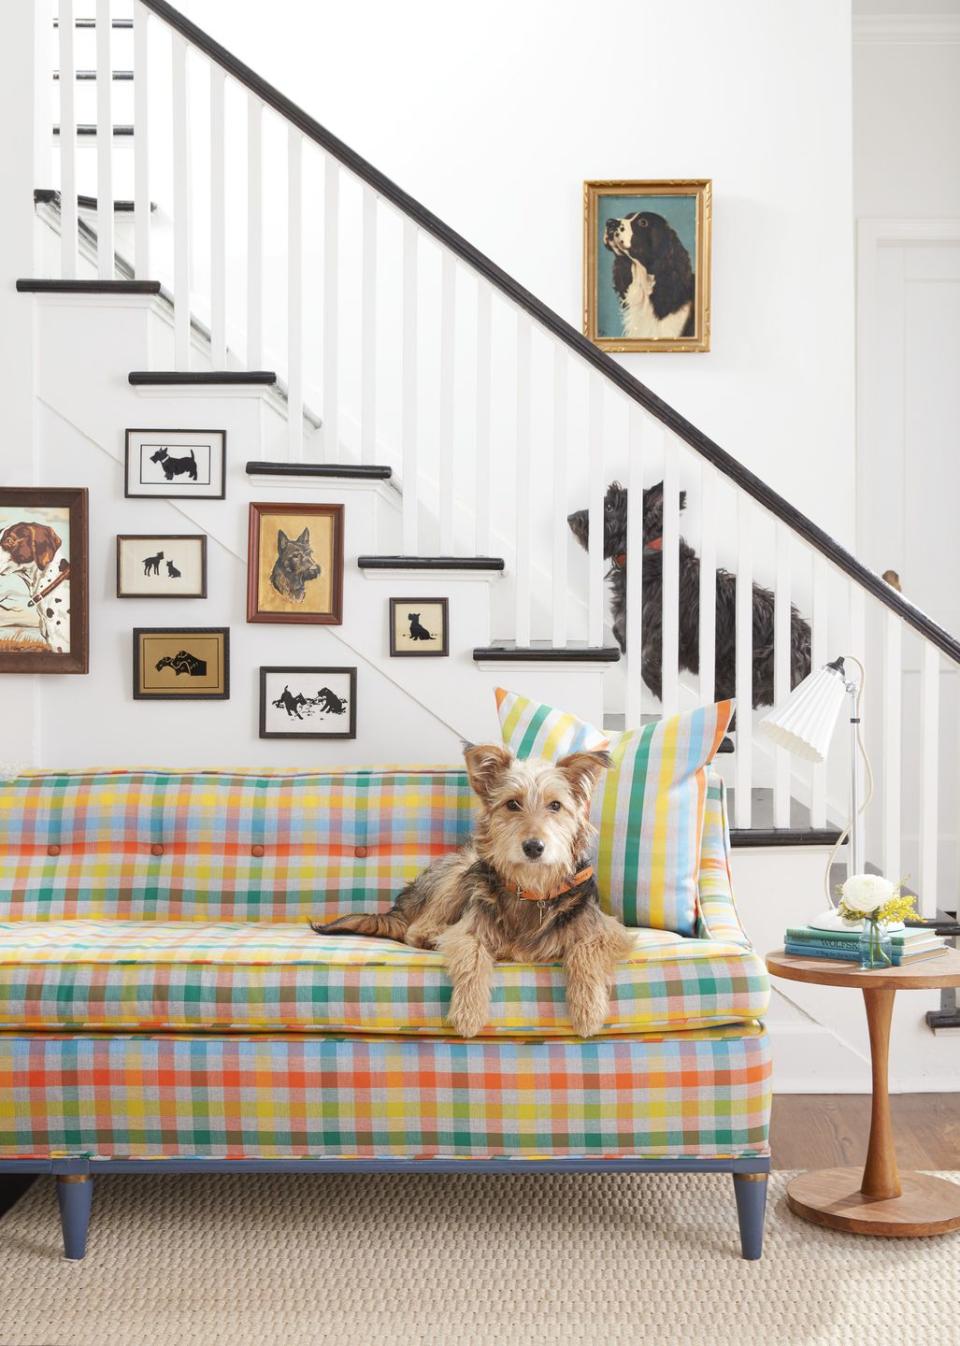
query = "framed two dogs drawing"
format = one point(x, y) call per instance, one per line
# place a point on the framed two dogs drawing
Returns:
point(646, 264)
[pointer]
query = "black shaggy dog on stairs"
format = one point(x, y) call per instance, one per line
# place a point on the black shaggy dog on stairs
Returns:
point(615, 550)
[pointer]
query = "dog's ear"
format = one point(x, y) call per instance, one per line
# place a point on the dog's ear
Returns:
point(583, 770)
point(46, 544)
point(486, 763)
point(304, 538)
point(283, 541)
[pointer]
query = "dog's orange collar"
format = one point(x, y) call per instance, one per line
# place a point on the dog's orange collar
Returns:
point(581, 876)
point(620, 559)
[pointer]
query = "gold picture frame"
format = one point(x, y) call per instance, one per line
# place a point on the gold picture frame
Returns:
point(626, 307)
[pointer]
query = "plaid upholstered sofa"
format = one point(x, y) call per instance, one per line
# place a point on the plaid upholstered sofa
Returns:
point(163, 1002)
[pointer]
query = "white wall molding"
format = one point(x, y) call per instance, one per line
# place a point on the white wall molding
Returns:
point(912, 29)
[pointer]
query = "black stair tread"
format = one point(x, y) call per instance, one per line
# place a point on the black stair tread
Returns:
point(92, 23)
point(201, 376)
point(44, 286)
point(494, 563)
point(544, 652)
point(50, 196)
point(360, 471)
point(784, 836)
point(92, 74)
point(90, 129)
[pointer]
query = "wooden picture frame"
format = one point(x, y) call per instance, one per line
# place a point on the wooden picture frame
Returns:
point(410, 628)
point(310, 701)
point(44, 580)
point(626, 306)
point(295, 563)
point(162, 464)
point(168, 550)
point(179, 679)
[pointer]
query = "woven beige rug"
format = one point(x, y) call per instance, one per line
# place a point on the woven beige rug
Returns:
point(464, 1260)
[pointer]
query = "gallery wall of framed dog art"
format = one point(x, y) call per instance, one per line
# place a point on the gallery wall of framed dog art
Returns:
point(181, 663)
point(43, 580)
point(646, 264)
point(298, 702)
point(162, 565)
point(419, 627)
point(295, 563)
point(166, 464)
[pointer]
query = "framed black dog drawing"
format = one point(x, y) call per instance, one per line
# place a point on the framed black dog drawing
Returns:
point(166, 464)
point(295, 563)
point(297, 702)
point(419, 627)
point(646, 264)
point(181, 663)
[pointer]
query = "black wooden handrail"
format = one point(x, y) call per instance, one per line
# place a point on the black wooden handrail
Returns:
point(634, 389)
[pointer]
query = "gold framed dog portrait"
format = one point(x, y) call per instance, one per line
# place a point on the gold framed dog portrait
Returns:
point(646, 264)
point(295, 563)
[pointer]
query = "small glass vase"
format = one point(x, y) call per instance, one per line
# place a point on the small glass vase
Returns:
point(875, 948)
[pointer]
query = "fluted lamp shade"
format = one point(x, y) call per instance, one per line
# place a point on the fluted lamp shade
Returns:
point(804, 724)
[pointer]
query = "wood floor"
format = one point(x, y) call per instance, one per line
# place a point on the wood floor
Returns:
point(810, 1131)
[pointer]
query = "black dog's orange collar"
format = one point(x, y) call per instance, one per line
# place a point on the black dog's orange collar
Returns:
point(620, 559)
point(581, 876)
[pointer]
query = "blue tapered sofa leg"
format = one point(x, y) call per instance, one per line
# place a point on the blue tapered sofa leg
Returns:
point(75, 1197)
point(751, 1193)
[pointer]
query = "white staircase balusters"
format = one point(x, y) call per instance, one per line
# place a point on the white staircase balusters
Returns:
point(181, 208)
point(638, 426)
point(892, 659)
point(707, 625)
point(409, 391)
point(670, 653)
point(368, 330)
point(523, 496)
point(446, 437)
point(596, 599)
point(743, 799)
point(254, 232)
point(782, 659)
point(294, 294)
point(104, 143)
point(141, 141)
point(218, 220)
point(68, 144)
point(561, 502)
point(331, 309)
point(484, 390)
point(929, 778)
point(820, 654)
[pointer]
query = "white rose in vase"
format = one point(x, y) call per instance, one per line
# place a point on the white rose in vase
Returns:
point(866, 893)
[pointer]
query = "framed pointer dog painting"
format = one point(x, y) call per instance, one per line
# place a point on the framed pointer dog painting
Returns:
point(295, 563)
point(646, 265)
point(43, 580)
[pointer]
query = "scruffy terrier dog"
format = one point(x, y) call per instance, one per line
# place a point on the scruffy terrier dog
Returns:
point(521, 890)
point(615, 550)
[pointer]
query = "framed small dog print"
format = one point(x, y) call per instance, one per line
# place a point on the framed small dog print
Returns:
point(43, 580)
point(646, 264)
point(419, 626)
point(181, 663)
point(166, 464)
point(295, 563)
point(308, 702)
point(162, 565)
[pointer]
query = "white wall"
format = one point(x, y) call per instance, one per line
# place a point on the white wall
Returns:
point(493, 118)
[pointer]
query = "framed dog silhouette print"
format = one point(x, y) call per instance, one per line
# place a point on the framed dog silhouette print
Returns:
point(43, 580)
point(172, 463)
point(162, 565)
point(646, 264)
point(297, 702)
point(295, 563)
point(419, 626)
point(181, 663)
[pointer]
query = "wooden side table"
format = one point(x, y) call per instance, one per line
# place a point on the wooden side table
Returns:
point(879, 1200)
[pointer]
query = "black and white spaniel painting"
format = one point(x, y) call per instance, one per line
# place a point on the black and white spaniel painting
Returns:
point(647, 265)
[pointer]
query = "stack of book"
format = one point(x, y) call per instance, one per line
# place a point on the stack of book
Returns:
point(909, 945)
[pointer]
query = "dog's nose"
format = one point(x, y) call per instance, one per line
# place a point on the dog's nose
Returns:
point(533, 848)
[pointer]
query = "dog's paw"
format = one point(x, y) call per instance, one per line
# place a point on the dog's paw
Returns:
point(466, 1019)
point(587, 1016)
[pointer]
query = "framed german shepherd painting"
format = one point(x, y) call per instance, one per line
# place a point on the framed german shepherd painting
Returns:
point(295, 563)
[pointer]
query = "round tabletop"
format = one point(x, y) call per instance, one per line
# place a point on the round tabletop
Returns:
point(924, 974)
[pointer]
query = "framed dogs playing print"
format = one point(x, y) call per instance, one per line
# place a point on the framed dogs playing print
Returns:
point(43, 580)
point(172, 463)
point(181, 663)
point(646, 265)
point(162, 565)
point(308, 702)
point(418, 626)
point(295, 563)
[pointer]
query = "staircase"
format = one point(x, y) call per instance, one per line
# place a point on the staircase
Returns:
point(241, 266)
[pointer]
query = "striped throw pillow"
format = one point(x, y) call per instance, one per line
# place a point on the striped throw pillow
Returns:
point(648, 809)
point(530, 729)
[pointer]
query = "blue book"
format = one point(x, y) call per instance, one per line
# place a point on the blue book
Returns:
point(802, 949)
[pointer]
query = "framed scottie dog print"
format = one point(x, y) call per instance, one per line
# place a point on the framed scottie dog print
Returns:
point(646, 264)
point(43, 580)
point(162, 565)
point(308, 702)
point(419, 626)
point(181, 663)
point(166, 464)
point(295, 563)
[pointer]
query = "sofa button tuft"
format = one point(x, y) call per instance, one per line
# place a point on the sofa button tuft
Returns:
point(360, 852)
point(156, 849)
point(53, 850)
point(256, 850)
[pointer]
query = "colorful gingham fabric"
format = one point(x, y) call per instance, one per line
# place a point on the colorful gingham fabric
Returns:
point(648, 809)
point(165, 846)
point(189, 975)
point(701, 1094)
point(530, 729)
point(718, 918)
